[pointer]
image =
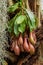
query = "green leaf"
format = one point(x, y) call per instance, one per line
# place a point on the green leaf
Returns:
point(22, 27)
point(11, 22)
point(31, 15)
point(12, 8)
point(16, 32)
point(19, 27)
point(32, 21)
point(20, 19)
point(20, 24)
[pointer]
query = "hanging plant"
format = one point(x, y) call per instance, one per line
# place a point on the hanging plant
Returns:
point(22, 21)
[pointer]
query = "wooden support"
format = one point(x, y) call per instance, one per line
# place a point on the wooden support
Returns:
point(38, 11)
point(35, 6)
